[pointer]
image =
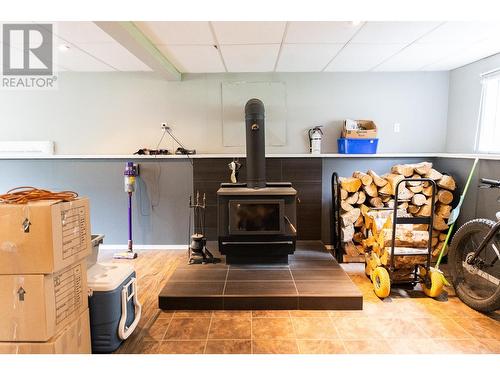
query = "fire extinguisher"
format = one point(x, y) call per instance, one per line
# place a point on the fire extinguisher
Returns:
point(315, 135)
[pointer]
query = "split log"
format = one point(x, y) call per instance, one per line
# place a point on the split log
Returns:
point(350, 184)
point(371, 190)
point(389, 203)
point(447, 182)
point(385, 198)
point(361, 249)
point(385, 190)
point(435, 233)
point(353, 198)
point(442, 236)
point(358, 237)
point(361, 197)
point(414, 183)
point(403, 206)
point(404, 238)
point(434, 241)
point(376, 202)
point(412, 209)
point(359, 222)
point(350, 217)
point(439, 224)
point(422, 168)
point(427, 191)
point(404, 193)
point(421, 227)
point(445, 196)
point(419, 199)
point(346, 233)
point(377, 180)
point(434, 175)
point(350, 249)
point(425, 210)
point(343, 194)
point(403, 169)
point(416, 189)
point(393, 180)
point(366, 179)
point(443, 210)
point(346, 207)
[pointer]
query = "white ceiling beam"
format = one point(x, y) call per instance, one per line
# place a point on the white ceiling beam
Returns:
point(130, 37)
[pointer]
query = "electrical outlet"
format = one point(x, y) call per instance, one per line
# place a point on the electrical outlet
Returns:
point(397, 127)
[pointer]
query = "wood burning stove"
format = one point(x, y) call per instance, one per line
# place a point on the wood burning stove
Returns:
point(257, 221)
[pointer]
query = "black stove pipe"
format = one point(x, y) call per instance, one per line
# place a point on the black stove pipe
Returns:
point(256, 144)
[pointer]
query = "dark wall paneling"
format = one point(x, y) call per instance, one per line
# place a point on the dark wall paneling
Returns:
point(304, 173)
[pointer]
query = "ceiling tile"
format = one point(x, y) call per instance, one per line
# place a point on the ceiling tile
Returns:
point(467, 55)
point(77, 60)
point(306, 57)
point(177, 32)
point(81, 32)
point(194, 59)
point(462, 32)
point(362, 57)
point(320, 32)
point(392, 32)
point(249, 32)
point(115, 55)
point(250, 58)
point(418, 55)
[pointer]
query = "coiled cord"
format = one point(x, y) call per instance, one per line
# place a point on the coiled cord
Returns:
point(25, 194)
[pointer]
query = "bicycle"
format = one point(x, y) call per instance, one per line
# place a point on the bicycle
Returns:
point(473, 258)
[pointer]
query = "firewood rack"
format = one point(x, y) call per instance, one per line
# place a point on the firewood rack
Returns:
point(428, 220)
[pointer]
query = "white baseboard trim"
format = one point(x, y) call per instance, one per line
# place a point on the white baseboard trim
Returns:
point(142, 247)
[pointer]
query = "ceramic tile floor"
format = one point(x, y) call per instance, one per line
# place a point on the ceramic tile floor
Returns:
point(406, 322)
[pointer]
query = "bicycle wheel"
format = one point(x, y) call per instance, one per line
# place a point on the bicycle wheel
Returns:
point(477, 284)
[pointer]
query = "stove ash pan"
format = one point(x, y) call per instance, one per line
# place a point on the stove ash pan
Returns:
point(257, 225)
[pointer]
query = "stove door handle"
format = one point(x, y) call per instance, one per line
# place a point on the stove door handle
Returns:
point(294, 230)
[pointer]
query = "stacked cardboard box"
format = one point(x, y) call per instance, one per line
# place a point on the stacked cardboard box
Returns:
point(43, 277)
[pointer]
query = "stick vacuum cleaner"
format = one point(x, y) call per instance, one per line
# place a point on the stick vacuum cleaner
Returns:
point(131, 172)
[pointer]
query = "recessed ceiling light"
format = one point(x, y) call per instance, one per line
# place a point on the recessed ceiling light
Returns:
point(64, 47)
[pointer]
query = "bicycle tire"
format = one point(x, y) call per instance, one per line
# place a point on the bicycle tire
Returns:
point(455, 260)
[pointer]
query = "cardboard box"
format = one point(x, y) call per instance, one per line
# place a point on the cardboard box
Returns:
point(368, 130)
point(37, 307)
point(43, 237)
point(73, 339)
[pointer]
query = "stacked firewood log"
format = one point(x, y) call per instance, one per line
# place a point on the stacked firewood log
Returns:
point(364, 192)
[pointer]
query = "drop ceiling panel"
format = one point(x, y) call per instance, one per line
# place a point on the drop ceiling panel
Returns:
point(418, 55)
point(250, 58)
point(249, 32)
point(320, 32)
point(81, 32)
point(393, 32)
point(194, 59)
point(306, 57)
point(116, 55)
point(362, 57)
point(463, 32)
point(177, 32)
point(77, 60)
point(466, 56)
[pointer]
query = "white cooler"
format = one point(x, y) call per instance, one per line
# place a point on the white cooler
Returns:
point(114, 307)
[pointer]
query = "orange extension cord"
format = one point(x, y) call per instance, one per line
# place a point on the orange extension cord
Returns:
point(25, 194)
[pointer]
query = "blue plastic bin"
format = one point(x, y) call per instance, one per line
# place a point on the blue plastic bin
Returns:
point(357, 146)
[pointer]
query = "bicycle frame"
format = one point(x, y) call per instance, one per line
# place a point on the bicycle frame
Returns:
point(493, 231)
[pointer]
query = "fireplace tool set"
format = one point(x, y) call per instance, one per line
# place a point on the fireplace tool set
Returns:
point(197, 250)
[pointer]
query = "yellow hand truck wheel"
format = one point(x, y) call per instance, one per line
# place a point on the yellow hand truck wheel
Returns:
point(381, 282)
point(437, 284)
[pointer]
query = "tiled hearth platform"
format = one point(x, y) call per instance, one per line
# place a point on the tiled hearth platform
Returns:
point(312, 280)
